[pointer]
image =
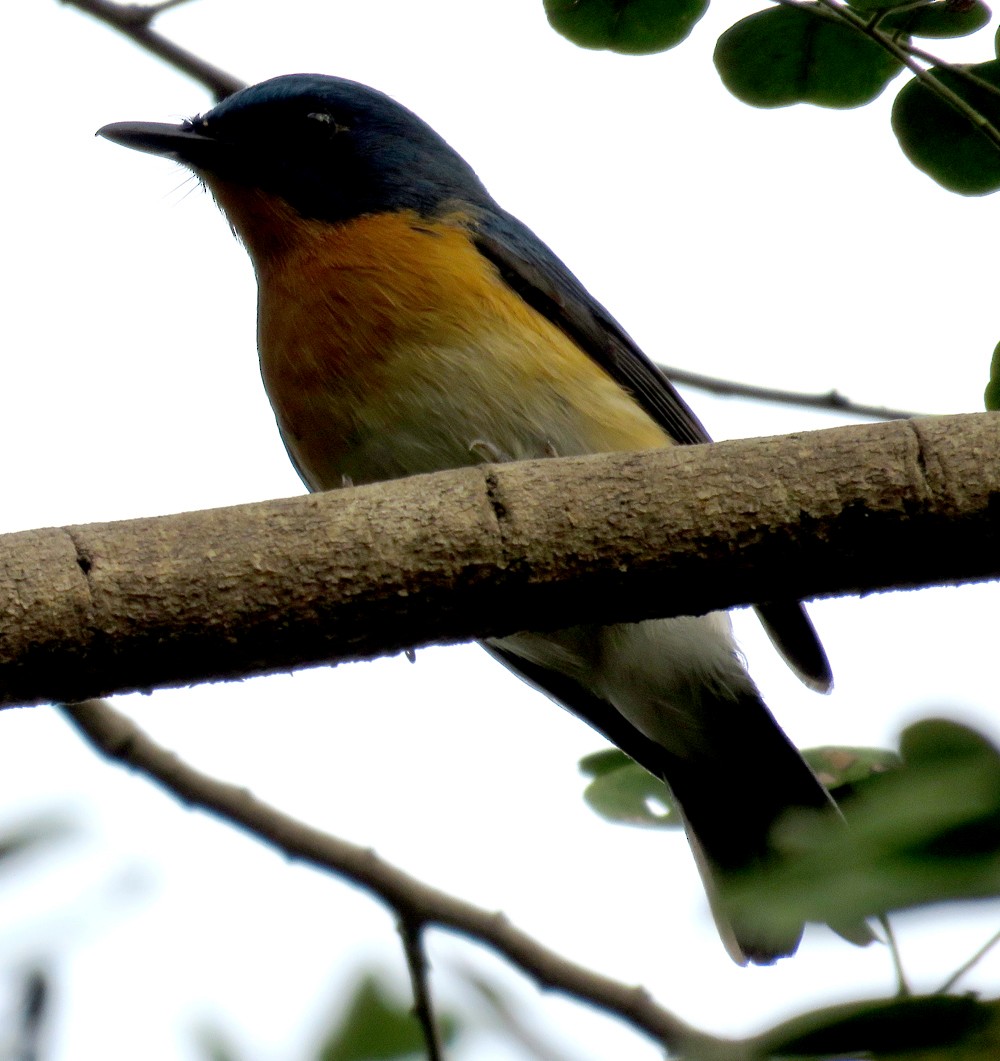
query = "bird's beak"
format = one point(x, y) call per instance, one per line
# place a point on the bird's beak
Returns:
point(179, 142)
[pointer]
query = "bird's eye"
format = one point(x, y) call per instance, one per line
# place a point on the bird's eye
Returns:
point(328, 120)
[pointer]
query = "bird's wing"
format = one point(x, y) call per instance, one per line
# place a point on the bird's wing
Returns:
point(728, 813)
point(528, 267)
point(544, 282)
point(791, 631)
point(593, 709)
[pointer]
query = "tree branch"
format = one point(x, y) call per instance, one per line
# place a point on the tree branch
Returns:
point(135, 21)
point(486, 551)
point(415, 903)
point(412, 935)
point(831, 400)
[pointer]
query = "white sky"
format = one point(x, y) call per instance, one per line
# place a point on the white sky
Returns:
point(795, 248)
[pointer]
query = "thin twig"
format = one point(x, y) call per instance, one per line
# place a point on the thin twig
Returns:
point(512, 1018)
point(832, 400)
point(903, 54)
point(960, 70)
point(412, 935)
point(902, 985)
point(164, 5)
point(134, 21)
point(117, 737)
point(966, 966)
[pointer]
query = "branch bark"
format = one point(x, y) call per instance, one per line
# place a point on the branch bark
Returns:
point(225, 593)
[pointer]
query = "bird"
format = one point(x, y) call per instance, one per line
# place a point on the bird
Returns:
point(407, 324)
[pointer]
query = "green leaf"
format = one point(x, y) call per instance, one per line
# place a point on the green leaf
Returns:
point(884, 1028)
point(798, 55)
point(634, 27)
point(213, 1044)
point(378, 1028)
point(936, 741)
point(842, 769)
point(947, 18)
point(925, 832)
point(622, 791)
point(945, 144)
point(992, 393)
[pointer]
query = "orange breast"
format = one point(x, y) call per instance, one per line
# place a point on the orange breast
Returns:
point(388, 345)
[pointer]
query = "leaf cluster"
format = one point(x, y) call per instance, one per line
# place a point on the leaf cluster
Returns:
point(834, 54)
point(923, 828)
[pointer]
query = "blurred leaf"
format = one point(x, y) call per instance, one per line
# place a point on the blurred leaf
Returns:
point(622, 791)
point(946, 18)
point(844, 768)
point(791, 55)
point(992, 394)
point(33, 832)
point(925, 832)
point(945, 144)
point(214, 1045)
point(35, 1012)
point(634, 27)
point(378, 1028)
point(886, 1029)
point(939, 740)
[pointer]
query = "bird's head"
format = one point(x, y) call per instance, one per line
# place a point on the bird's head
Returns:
point(329, 149)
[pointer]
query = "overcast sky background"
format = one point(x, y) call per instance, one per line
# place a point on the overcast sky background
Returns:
point(794, 248)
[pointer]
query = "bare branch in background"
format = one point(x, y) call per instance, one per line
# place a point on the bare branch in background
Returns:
point(135, 21)
point(832, 401)
point(412, 935)
point(416, 904)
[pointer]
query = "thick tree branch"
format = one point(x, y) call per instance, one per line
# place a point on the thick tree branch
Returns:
point(483, 551)
point(415, 903)
point(135, 21)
